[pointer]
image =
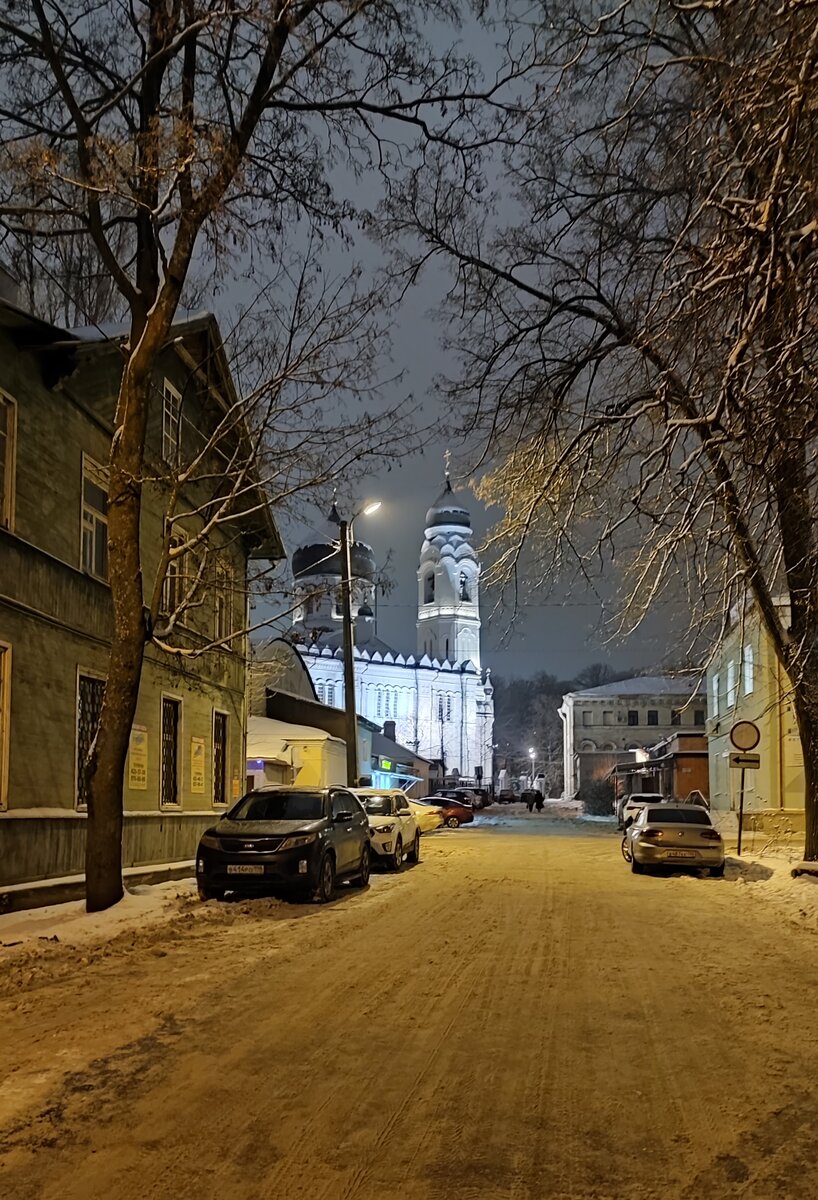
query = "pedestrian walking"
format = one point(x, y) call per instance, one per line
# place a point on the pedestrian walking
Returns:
point(540, 803)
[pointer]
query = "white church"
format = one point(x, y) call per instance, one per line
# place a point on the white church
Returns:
point(438, 696)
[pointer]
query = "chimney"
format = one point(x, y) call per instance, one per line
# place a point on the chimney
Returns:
point(389, 730)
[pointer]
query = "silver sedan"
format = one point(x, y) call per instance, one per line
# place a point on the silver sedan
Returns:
point(674, 835)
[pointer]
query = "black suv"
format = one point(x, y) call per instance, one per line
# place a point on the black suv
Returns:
point(286, 837)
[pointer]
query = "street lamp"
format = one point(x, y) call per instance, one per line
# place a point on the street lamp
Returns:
point(531, 754)
point(350, 711)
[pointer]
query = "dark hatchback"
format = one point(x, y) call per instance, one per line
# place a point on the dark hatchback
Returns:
point(295, 838)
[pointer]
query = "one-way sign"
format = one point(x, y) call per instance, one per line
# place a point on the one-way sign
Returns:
point(750, 762)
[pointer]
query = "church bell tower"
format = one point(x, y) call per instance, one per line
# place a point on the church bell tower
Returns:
point(448, 581)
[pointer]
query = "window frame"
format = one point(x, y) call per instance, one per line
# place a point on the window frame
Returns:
point(176, 805)
point(633, 713)
point(715, 690)
point(652, 718)
point(6, 655)
point(97, 474)
point(731, 695)
point(225, 803)
point(748, 669)
point(82, 673)
point(7, 496)
point(429, 587)
point(223, 631)
point(171, 427)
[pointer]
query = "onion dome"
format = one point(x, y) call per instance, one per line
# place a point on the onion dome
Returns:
point(447, 510)
point(324, 558)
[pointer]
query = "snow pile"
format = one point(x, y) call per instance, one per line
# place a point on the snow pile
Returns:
point(770, 881)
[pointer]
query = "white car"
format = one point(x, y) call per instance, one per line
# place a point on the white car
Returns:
point(633, 805)
point(393, 827)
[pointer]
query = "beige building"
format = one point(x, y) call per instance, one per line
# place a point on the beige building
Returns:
point(603, 726)
point(745, 682)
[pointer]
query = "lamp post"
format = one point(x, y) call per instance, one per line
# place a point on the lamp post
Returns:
point(531, 754)
point(350, 709)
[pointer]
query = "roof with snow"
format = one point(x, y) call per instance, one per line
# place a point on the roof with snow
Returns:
point(649, 685)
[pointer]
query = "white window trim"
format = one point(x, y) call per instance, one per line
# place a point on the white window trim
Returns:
point(176, 441)
point(180, 752)
point(5, 723)
point(7, 500)
point(748, 670)
point(731, 695)
point(89, 673)
point(227, 797)
point(715, 686)
point(99, 475)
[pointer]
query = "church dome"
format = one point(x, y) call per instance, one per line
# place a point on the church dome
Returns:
point(447, 510)
point(324, 558)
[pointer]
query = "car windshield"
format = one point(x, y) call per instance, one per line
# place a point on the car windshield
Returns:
point(678, 816)
point(376, 806)
point(278, 806)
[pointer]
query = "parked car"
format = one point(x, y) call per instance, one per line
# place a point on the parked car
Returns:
point(469, 796)
point(297, 838)
point(393, 827)
point(507, 797)
point(428, 816)
point(678, 835)
point(631, 806)
point(455, 812)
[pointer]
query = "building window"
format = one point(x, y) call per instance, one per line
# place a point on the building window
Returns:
point(464, 586)
point(94, 518)
point(219, 757)
point(587, 717)
point(171, 720)
point(607, 718)
point(339, 602)
point(319, 691)
point(90, 693)
point(698, 716)
point(173, 583)
point(171, 423)
point(653, 716)
point(429, 589)
point(732, 686)
point(5, 721)
point(448, 708)
point(633, 716)
point(440, 708)
point(748, 670)
point(675, 717)
point(223, 603)
point(715, 687)
point(8, 415)
point(331, 694)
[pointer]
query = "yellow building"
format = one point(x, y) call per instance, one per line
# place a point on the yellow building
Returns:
point(745, 682)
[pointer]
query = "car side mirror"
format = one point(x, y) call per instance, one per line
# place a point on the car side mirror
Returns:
point(343, 818)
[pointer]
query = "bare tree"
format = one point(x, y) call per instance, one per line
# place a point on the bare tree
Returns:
point(197, 124)
point(640, 347)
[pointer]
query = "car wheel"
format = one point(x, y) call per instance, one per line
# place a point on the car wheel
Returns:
point(717, 872)
point(414, 853)
point(326, 880)
point(396, 862)
point(626, 849)
point(453, 823)
point(208, 892)
point(636, 867)
point(362, 878)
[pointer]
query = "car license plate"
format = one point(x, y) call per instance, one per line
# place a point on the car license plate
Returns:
point(245, 869)
point(680, 854)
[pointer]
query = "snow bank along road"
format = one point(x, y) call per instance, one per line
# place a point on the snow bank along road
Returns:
point(516, 1017)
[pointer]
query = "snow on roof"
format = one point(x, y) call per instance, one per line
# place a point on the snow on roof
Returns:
point(649, 685)
point(265, 736)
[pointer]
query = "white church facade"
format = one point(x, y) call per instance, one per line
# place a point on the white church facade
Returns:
point(438, 695)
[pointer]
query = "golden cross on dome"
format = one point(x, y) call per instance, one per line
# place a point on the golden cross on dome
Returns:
point(447, 458)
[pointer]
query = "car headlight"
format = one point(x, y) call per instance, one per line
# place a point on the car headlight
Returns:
point(212, 843)
point(303, 839)
point(379, 829)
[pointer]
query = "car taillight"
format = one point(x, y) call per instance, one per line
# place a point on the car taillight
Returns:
point(712, 835)
point(652, 835)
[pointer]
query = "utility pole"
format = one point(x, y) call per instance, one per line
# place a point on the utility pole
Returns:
point(351, 716)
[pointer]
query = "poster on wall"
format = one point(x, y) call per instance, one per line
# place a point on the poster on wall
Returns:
point(236, 785)
point(138, 759)
point(197, 766)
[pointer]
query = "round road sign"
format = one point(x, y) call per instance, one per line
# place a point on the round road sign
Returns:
point(745, 735)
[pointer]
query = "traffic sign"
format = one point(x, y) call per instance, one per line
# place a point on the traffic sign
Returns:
point(750, 762)
point(745, 735)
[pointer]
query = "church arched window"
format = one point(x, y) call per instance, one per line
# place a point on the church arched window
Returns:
point(429, 588)
point(339, 602)
point(448, 708)
point(465, 594)
point(319, 688)
point(379, 702)
point(331, 694)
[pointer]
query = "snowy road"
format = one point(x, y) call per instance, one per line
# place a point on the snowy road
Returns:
point(518, 1017)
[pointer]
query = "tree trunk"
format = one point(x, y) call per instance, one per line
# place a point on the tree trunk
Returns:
point(805, 702)
point(106, 767)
